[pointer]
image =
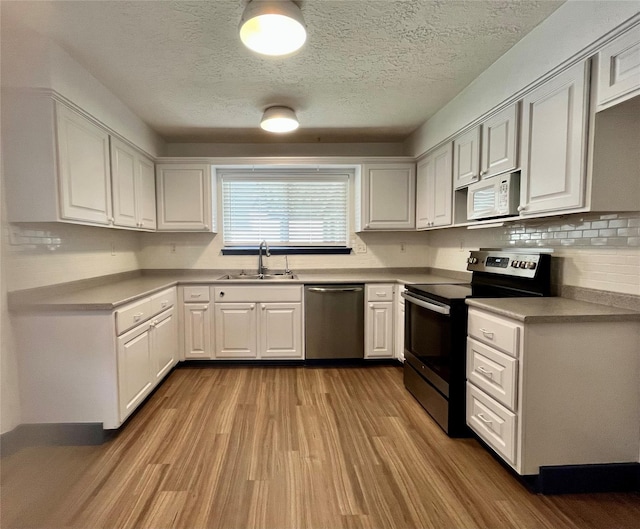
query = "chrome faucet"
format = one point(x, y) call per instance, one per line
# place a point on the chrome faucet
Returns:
point(261, 267)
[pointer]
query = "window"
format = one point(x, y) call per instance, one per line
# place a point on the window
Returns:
point(292, 209)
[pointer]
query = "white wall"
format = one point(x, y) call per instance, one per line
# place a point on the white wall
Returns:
point(568, 30)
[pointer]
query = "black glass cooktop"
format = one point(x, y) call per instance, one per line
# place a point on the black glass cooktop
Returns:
point(444, 293)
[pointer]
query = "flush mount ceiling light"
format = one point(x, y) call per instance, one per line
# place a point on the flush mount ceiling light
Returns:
point(279, 119)
point(272, 27)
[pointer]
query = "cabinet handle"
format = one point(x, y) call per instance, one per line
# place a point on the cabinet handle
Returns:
point(195, 295)
point(484, 419)
point(487, 334)
point(485, 372)
point(381, 294)
point(136, 317)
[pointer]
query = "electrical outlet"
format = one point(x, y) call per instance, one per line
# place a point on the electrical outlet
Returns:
point(361, 247)
point(403, 247)
point(172, 247)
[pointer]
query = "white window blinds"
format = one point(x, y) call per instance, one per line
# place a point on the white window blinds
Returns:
point(285, 209)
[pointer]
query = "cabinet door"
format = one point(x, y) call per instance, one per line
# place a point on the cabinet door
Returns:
point(164, 343)
point(554, 143)
point(185, 199)
point(236, 330)
point(389, 196)
point(280, 330)
point(146, 193)
point(434, 189)
point(619, 69)
point(197, 330)
point(135, 368)
point(123, 182)
point(84, 168)
point(500, 143)
point(379, 330)
point(466, 158)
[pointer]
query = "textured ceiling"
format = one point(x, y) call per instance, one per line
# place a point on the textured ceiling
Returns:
point(371, 70)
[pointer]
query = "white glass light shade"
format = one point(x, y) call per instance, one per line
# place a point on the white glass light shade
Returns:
point(279, 119)
point(272, 27)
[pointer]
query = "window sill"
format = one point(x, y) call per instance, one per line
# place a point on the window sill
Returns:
point(288, 250)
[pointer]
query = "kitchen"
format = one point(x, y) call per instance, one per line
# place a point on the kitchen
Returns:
point(38, 255)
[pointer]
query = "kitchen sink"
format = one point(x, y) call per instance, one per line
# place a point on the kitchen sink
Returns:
point(257, 277)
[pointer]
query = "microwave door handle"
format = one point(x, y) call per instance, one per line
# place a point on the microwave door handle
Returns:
point(440, 309)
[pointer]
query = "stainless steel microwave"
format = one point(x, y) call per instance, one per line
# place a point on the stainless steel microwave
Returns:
point(498, 196)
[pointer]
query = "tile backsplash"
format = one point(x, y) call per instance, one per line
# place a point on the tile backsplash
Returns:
point(596, 251)
point(616, 230)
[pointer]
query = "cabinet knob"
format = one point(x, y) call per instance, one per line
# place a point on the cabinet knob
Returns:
point(221, 294)
point(522, 208)
point(263, 307)
point(253, 306)
point(482, 173)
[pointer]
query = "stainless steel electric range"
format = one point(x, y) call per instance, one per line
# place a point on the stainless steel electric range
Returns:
point(436, 326)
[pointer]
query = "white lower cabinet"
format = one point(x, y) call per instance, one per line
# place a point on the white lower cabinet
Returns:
point(197, 318)
point(147, 352)
point(378, 321)
point(236, 330)
point(258, 323)
point(553, 393)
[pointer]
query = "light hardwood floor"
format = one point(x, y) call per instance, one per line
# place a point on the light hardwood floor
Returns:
point(278, 448)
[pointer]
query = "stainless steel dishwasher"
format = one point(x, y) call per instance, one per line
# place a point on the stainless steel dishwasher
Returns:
point(334, 321)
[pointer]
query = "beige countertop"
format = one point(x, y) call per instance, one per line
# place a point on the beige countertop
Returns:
point(113, 291)
point(552, 310)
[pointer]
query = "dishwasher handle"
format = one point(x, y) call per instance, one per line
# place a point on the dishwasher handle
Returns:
point(335, 289)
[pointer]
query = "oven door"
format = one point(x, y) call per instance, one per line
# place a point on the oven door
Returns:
point(428, 340)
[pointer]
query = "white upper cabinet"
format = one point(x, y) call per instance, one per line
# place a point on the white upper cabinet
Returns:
point(466, 158)
point(387, 197)
point(500, 143)
point(554, 143)
point(619, 69)
point(434, 190)
point(83, 162)
point(134, 191)
point(185, 197)
point(63, 166)
point(487, 150)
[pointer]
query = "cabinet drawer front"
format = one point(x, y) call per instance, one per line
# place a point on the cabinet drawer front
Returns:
point(495, 331)
point(493, 372)
point(163, 300)
point(196, 294)
point(258, 294)
point(133, 314)
point(619, 68)
point(379, 292)
point(494, 423)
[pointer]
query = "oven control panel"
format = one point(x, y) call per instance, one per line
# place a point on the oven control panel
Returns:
point(504, 262)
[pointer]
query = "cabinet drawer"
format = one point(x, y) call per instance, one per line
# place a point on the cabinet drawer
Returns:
point(133, 314)
point(198, 294)
point(495, 331)
point(379, 292)
point(493, 372)
point(257, 294)
point(163, 300)
point(494, 423)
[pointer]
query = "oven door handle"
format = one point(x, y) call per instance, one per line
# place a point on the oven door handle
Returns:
point(429, 305)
